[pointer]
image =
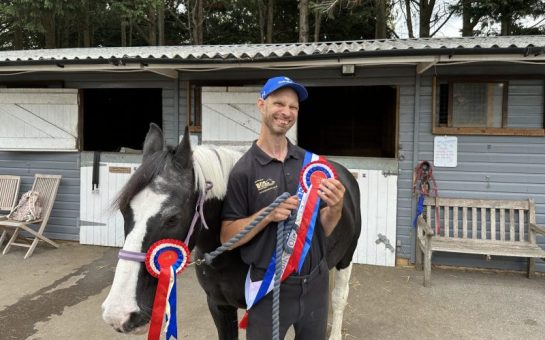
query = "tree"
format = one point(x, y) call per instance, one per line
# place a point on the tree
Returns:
point(507, 13)
point(350, 19)
point(303, 21)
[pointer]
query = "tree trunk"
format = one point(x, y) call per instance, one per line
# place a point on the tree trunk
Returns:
point(196, 25)
point(152, 26)
point(86, 31)
point(262, 11)
point(467, 29)
point(380, 23)
point(303, 21)
point(506, 25)
point(270, 18)
point(161, 22)
point(18, 37)
point(317, 25)
point(426, 10)
point(49, 26)
point(123, 31)
point(409, 18)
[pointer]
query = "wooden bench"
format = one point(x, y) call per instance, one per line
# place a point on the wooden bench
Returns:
point(472, 226)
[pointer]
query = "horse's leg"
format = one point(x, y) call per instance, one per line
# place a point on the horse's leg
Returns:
point(225, 318)
point(339, 297)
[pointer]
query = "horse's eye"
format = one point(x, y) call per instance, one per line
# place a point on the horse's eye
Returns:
point(171, 222)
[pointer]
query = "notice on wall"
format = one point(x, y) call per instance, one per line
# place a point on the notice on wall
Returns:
point(445, 151)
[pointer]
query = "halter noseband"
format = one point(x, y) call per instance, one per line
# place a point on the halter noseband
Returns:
point(199, 213)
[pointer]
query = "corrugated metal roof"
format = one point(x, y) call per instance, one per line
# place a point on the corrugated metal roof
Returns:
point(257, 52)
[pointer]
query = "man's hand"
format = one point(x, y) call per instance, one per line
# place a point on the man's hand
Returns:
point(332, 193)
point(284, 209)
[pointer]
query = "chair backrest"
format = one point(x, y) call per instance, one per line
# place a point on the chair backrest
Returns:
point(9, 189)
point(47, 186)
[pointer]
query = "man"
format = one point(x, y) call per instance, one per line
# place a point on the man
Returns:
point(270, 167)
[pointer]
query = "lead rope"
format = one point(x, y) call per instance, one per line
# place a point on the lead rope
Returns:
point(209, 257)
point(422, 185)
point(282, 231)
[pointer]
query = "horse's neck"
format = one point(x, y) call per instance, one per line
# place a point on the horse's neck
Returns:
point(209, 240)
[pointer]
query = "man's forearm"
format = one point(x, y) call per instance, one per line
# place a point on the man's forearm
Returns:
point(330, 217)
point(231, 228)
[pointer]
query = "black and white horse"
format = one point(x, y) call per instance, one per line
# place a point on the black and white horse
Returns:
point(159, 202)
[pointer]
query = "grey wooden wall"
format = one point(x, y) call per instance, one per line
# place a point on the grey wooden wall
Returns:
point(490, 167)
point(64, 220)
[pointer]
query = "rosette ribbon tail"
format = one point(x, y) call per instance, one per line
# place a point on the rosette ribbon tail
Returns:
point(159, 304)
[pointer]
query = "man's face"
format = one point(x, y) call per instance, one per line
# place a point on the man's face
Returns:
point(279, 111)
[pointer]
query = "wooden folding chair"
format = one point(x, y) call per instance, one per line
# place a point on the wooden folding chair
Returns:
point(9, 189)
point(46, 186)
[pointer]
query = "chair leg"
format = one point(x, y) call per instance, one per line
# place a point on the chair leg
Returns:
point(419, 255)
point(11, 240)
point(427, 268)
point(32, 247)
point(3, 237)
point(43, 238)
point(531, 267)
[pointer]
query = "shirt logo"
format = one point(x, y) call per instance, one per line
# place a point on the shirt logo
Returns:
point(264, 185)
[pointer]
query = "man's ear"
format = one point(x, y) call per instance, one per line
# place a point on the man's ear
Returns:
point(261, 104)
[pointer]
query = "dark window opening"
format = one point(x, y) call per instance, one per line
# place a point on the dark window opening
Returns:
point(119, 118)
point(355, 121)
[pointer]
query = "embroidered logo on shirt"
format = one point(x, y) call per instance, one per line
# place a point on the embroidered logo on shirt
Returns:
point(264, 185)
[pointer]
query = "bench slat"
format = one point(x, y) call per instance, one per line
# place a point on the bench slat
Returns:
point(521, 225)
point(495, 248)
point(446, 219)
point(455, 222)
point(464, 222)
point(512, 225)
point(466, 202)
point(493, 224)
point(474, 223)
point(502, 224)
point(483, 224)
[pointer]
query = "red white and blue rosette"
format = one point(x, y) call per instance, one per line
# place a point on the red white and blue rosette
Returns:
point(164, 260)
point(315, 172)
point(167, 253)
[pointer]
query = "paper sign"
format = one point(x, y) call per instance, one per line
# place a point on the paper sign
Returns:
point(445, 151)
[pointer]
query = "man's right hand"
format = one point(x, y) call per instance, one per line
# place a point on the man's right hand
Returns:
point(284, 209)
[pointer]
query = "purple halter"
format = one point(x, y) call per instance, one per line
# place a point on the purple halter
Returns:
point(199, 213)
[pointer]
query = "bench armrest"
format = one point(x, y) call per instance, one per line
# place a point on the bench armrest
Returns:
point(537, 228)
point(422, 224)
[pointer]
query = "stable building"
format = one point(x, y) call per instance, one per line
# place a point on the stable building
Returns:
point(472, 107)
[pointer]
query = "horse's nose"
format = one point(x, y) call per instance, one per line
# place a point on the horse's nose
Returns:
point(137, 323)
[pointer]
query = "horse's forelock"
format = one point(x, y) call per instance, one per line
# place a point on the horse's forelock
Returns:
point(213, 164)
point(141, 178)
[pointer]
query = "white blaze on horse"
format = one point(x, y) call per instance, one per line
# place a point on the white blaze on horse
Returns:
point(159, 202)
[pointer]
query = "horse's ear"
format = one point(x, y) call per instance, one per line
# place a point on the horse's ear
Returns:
point(154, 140)
point(183, 151)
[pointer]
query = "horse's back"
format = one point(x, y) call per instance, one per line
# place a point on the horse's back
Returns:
point(342, 242)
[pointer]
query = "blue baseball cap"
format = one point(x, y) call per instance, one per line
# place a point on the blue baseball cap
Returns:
point(276, 83)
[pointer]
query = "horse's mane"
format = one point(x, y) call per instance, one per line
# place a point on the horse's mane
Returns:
point(210, 164)
point(213, 164)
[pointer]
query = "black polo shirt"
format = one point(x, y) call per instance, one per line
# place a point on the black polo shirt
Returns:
point(256, 181)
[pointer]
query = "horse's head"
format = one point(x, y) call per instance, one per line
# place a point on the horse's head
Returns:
point(157, 203)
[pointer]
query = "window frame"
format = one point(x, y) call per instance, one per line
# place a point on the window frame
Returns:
point(491, 131)
point(195, 102)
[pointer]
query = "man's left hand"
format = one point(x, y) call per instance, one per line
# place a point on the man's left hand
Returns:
point(332, 193)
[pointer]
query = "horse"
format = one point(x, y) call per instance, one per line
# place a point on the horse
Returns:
point(158, 202)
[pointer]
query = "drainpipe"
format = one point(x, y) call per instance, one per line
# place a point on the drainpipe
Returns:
point(416, 130)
